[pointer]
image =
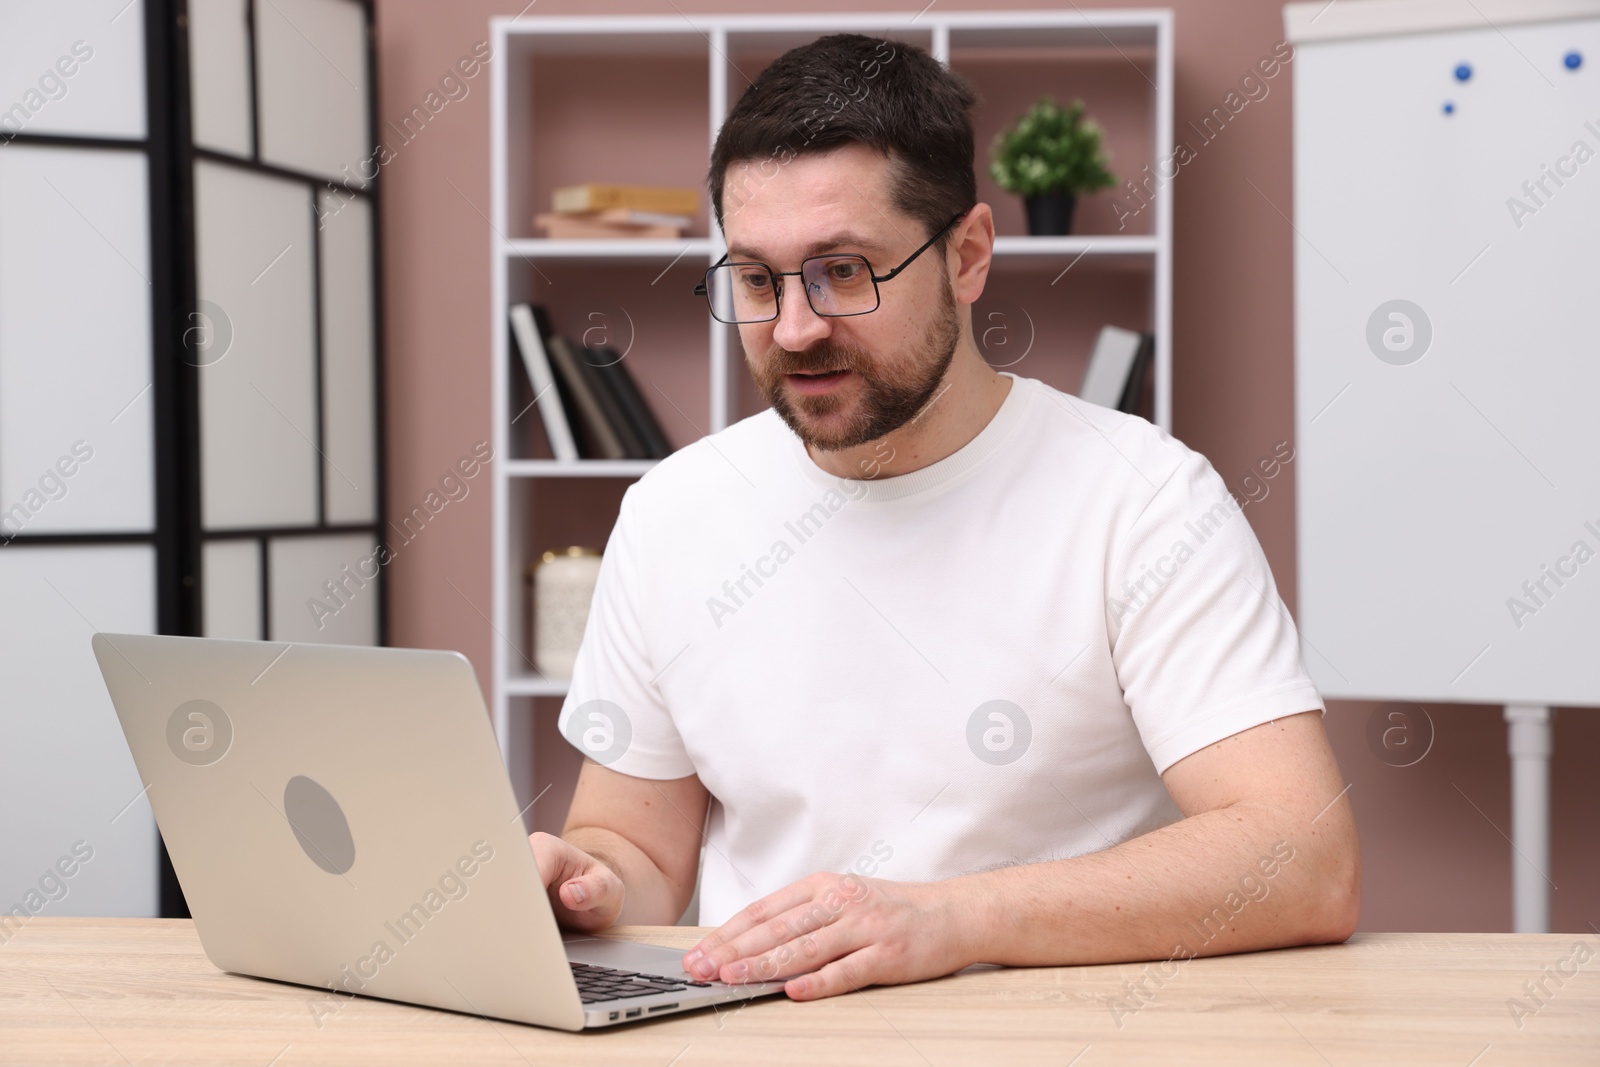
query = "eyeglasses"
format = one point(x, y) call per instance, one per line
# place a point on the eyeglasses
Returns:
point(835, 285)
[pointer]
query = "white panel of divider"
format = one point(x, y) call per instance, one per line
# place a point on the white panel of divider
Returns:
point(258, 394)
point(66, 779)
point(349, 443)
point(75, 400)
point(219, 75)
point(231, 585)
point(323, 589)
point(72, 68)
point(312, 97)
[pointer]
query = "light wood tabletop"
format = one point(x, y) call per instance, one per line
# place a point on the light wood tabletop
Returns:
point(140, 991)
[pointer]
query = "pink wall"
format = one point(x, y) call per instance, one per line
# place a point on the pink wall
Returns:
point(1434, 852)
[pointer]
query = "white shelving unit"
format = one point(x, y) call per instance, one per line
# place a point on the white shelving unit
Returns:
point(522, 42)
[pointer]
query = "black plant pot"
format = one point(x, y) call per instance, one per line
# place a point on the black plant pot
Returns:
point(1050, 214)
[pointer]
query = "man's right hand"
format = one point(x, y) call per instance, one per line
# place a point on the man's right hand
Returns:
point(585, 894)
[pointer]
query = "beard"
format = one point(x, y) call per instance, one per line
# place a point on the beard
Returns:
point(891, 391)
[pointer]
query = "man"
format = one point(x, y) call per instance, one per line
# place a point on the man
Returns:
point(961, 668)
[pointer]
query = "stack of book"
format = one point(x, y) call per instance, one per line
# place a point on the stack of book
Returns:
point(619, 211)
point(588, 401)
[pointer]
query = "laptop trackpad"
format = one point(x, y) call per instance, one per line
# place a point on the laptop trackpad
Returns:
point(625, 955)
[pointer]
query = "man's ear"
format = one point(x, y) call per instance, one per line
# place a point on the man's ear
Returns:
point(970, 251)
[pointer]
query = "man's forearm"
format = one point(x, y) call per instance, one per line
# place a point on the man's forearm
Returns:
point(1231, 880)
point(650, 898)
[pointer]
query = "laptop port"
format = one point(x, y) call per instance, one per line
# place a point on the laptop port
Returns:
point(635, 1013)
point(663, 1007)
point(614, 1016)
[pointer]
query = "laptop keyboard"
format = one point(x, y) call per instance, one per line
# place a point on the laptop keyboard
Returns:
point(597, 984)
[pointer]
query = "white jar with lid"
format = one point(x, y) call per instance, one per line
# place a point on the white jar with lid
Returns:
point(563, 586)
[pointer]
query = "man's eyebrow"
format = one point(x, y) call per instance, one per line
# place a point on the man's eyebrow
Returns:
point(847, 241)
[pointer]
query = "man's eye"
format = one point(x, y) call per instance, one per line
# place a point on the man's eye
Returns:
point(844, 272)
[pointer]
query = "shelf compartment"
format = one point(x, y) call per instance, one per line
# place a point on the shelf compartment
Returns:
point(562, 109)
point(1115, 86)
point(646, 311)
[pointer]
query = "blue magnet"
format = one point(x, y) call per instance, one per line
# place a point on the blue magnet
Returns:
point(1449, 108)
point(1463, 72)
point(1573, 60)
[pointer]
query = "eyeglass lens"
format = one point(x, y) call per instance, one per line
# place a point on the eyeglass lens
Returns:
point(834, 285)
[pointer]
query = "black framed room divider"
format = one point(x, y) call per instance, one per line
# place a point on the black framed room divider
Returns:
point(247, 475)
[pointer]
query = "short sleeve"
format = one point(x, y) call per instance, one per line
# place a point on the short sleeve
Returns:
point(613, 712)
point(1202, 644)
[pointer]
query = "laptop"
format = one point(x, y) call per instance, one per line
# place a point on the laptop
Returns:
point(340, 817)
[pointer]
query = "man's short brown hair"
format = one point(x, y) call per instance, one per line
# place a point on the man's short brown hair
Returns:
point(845, 89)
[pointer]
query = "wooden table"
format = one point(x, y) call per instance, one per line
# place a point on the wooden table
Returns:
point(140, 991)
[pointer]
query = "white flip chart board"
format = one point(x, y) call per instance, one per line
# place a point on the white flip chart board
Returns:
point(1447, 348)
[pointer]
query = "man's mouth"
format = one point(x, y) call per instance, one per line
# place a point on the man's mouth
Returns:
point(816, 381)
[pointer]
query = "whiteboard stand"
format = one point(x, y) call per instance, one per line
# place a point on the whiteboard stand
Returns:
point(1528, 742)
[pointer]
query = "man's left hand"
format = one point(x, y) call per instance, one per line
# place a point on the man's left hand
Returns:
point(836, 933)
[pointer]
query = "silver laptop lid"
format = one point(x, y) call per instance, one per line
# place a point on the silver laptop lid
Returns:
point(340, 817)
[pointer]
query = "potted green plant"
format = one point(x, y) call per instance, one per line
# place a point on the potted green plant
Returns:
point(1048, 157)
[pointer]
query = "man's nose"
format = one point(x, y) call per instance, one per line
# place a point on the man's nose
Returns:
point(798, 327)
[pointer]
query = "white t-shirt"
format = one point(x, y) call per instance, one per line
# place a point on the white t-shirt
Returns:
point(986, 661)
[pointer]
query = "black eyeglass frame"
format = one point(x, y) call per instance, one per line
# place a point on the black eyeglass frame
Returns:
point(777, 275)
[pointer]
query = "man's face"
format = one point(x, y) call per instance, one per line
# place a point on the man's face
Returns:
point(892, 360)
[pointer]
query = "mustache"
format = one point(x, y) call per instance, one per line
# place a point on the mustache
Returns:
point(817, 358)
